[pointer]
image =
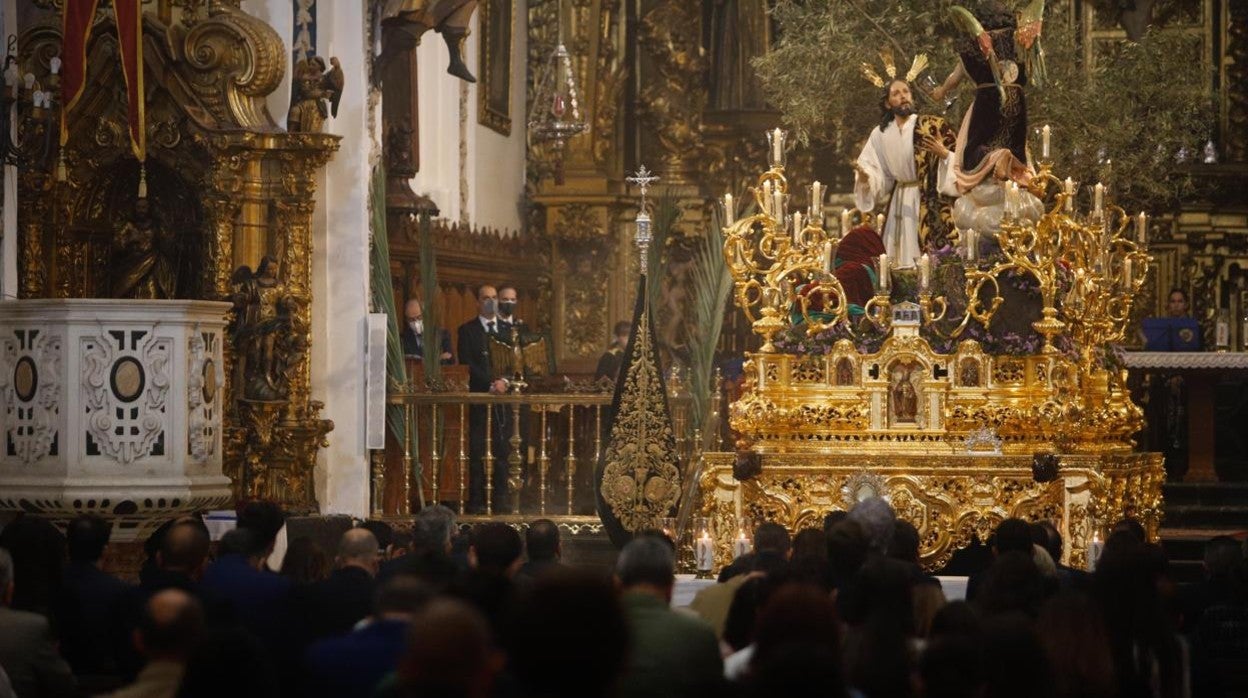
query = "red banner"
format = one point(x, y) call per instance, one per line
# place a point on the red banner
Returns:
point(76, 23)
point(129, 15)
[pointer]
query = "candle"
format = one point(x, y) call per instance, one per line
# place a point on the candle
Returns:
point(777, 147)
point(844, 221)
point(1098, 197)
point(797, 227)
point(1094, 551)
point(740, 545)
point(730, 213)
point(883, 271)
point(972, 245)
point(879, 223)
point(816, 198)
point(1141, 228)
point(1126, 272)
point(1069, 186)
point(767, 197)
point(1044, 141)
point(925, 271)
point(54, 64)
point(704, 553)
point(777, 203)
point(827, 257)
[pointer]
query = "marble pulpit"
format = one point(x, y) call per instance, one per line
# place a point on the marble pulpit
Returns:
point(112, 407)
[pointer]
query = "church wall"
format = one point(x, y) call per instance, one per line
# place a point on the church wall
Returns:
point(486, 190)
point(278, 14)
point(340, 271)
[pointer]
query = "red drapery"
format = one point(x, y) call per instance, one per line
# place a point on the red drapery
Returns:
point(76, 23)
point(129, 15)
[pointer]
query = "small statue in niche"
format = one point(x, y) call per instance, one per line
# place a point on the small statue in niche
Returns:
point(311, 87)
point(969, 373)
point(266, 332)
point(140, 254)
point(903, 396)
point(844, 372)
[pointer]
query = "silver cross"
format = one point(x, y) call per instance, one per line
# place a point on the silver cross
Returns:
point(642, 178)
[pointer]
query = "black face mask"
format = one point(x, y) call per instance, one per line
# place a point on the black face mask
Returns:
point(506, 308)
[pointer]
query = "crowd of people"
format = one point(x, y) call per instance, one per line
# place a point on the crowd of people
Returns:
point(842, 610)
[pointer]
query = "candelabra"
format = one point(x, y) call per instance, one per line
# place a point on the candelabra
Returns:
point(24, 101)
point(781, 261)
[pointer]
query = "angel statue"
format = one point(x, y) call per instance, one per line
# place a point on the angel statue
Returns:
point(1002, 55)
point(312, 86)
point(266, 337)
point(404, 21)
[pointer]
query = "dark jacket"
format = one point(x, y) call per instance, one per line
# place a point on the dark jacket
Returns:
point(353, 665)
point(474, 352)
point(334, 605)
point(28, 655)
point(89, 597)
point(414, 344)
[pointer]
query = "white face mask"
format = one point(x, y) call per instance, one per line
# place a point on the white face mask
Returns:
point(418, 326)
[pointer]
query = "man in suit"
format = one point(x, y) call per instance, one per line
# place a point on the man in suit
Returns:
point(172, 623)
point(542, 548)
point(88, 596)
point(27, 648)
point(413, 334)
point(508, 299)
point(474, 352)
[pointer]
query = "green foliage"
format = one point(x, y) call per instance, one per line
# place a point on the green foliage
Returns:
point(665, 214)
point(1140, 102)
point(711, 286)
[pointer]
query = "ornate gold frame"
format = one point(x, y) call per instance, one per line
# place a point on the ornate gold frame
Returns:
point(495, 116)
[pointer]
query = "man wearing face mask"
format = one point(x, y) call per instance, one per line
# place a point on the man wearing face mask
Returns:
point(413, 335)
point(507, 301)
point(474, 352)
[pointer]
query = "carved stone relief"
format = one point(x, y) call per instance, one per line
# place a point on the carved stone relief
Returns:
point(30, 393)
point(125, 386)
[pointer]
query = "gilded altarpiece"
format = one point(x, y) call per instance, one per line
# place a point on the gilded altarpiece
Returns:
point(226, 185)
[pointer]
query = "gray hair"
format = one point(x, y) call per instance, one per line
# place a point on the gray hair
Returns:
point(877, 520)
point(6, 572)
point(431, 530)
point(646, 560)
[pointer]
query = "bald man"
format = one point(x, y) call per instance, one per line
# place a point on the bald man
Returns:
point(336, 604)
point(171, 624)
point(414, 334)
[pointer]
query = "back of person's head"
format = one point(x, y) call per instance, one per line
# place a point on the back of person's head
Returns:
point(877, 520)
point(955, 618)
point(382, 531)
point(448, 652)
point(541, 541)
point(87, 536)
point(1012, 584)
point(240, 541)
point(1135, 528)
point(6, 576)
point(579, 613)
point(905, 543)
point(1015, 665)
point(883, 590)
point(38, 550)
point(1046, 535)
point(265, 519)
point(950, 667)
point(1012, 535)
point(771, 537)
point(1223, 556)
point(358, 548)
point(305, 561)
point(431, 530)
point(847, 549)
point(1076, 644)
point(832, 518)
point(229, 661)
point(184, 548)
point(810, 543)
point(796, 648)
point(646, 560)
point(747, 602)
point(401, 596)
point(1044, 562)
point(496, 547)
point(170, 625)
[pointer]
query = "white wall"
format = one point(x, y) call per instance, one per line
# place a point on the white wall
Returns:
point(341, 268)
point(494, 173)
point(278, 14)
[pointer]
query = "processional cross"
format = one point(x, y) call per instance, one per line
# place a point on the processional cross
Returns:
point(643, 178)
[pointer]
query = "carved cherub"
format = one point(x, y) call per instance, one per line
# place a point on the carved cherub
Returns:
point(312, 86)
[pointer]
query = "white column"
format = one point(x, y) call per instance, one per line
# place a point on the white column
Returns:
point(340, 270)
point(8, 244)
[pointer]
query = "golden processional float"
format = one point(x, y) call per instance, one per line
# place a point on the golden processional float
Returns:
point(924, 395)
